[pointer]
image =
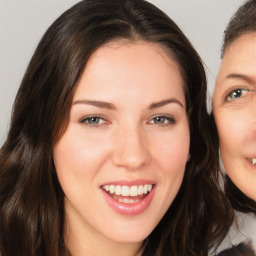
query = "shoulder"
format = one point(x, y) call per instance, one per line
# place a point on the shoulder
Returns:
point(241, 239)
point(244, 248)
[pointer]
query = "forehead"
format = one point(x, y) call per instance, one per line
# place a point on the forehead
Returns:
point(149, 48)
point(238, 63)
point(131, 64)
point(240, 56)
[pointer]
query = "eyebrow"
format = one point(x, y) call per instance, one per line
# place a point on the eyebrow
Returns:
point(165, 102)
point(110, 106)
point(241, 77)
point(96, 103)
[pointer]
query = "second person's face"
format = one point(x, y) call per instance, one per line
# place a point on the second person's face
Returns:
point(122, 158)
point(234, 106)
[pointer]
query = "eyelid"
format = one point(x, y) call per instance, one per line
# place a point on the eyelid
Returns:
point(84, 118)
point(170, 118)
point(230, 91)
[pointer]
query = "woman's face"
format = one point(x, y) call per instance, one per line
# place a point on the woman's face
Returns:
point(234, 105)
point(122, 158)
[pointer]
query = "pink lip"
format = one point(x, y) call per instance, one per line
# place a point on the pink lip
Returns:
point(132, 208)
point(250, 157)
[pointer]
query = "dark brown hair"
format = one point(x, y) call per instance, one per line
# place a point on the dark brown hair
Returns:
point(238, 199)
point(31, 199)
point(241, 23)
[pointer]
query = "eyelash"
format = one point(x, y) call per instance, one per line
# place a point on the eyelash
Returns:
point(170, 120)
point(86, 121)
point(240, 91)
point(96, 121)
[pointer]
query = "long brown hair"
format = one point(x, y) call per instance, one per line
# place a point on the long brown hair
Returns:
point(31, 199)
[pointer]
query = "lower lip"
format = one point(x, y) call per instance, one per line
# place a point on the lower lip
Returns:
point(130, 209)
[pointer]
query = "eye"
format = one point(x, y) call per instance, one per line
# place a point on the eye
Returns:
point(237, 93)
point(93, 121)
point(162, 120)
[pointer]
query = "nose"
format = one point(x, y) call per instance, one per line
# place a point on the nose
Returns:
point(131, 149)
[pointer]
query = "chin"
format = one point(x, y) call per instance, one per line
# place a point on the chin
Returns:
point(136, 236)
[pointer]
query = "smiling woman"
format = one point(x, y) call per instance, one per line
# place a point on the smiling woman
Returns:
point(234, 101)
point(133, 141)
point(109, 149)
point(234, 107)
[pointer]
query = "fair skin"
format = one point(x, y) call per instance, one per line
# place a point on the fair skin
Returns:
point(128, 131)
point(234, 106)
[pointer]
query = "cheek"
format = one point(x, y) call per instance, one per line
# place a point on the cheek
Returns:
point(232, 130)
point(76, 157)
point(173, 151)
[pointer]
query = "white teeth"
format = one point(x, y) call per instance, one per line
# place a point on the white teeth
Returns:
point(128, 191)
point(125, 191)
point(107, 188)
point(111, 189)
point(254, 161)
point(126, 200)
point(140, 190)
point(145, 189)
point(133, 191)
point(118, 190)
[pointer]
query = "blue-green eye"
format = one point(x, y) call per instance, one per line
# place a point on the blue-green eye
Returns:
point(162, 120)
point(237, 93)
point(93, 120)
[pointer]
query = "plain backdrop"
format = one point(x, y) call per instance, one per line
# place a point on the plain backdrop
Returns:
point(23, 22)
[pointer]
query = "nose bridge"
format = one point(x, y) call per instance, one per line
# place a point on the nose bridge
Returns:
point(131, 148)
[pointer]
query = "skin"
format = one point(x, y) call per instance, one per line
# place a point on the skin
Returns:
point(234, 106)
point(126, 143)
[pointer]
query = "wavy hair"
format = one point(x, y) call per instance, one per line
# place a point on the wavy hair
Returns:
point(32, 213)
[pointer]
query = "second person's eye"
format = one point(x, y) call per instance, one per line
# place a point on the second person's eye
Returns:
point(237, 93)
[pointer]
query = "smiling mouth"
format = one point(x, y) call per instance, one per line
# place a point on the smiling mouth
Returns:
point(128, 194)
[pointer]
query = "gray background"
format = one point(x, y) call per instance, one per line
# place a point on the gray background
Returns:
point(23, 22)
